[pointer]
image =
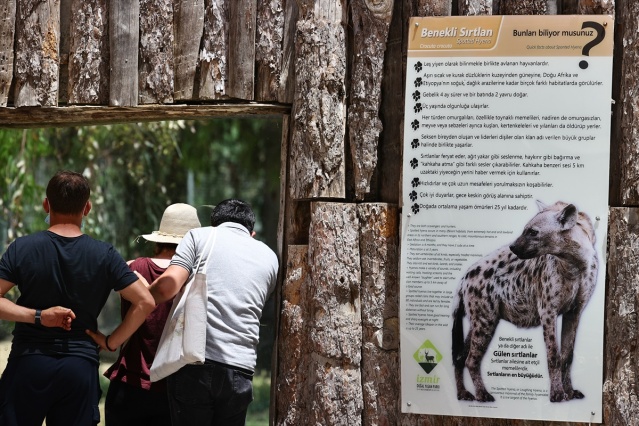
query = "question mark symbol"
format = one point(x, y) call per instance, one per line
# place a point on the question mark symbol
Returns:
point(601, 33)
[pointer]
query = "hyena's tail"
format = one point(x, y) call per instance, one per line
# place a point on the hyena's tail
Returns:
point(458, 347)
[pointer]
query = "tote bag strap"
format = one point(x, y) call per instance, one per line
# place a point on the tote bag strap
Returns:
point(211, 239)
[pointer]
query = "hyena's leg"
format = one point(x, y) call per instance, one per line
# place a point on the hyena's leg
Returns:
point(480, 334)
point(549, 323)
point(460, 362)
point(569, 323)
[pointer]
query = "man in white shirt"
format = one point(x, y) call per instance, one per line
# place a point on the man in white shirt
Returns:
point(241, 274)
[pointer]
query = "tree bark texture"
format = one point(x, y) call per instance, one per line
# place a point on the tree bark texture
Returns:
point(625, 140)
point(291, 385)
point(28, 118)
point(89, 53)
point(188, 25)
point(7, 32)
point(156, 52)
point(64, 49)
point(434, 7)
point(213, 60)
point(319, 109)
point(371, 21)
point(286, 82)
point(597, 7)
point(523, 7)
point(622, 305)
point(241, 52)
point(387, 178)
point(335, 322)
point(124, 37)
point(379, 260)
point(475, 7)
point(37, 53)
point(268, 48)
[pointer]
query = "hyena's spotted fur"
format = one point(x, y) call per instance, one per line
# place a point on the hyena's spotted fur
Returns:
point(550, 270)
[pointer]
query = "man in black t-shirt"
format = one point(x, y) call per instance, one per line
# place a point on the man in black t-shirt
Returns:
point(64, 278)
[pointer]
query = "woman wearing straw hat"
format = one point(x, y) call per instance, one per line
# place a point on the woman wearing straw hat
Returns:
point(132, 399)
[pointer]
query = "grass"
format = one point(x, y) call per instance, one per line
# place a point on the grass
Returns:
point(258, 411)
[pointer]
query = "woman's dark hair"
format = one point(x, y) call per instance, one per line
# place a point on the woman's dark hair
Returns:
point(68, 192)
point(233, 210)
point(159, 247)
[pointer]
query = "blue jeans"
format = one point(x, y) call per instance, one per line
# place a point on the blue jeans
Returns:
point(209, 394)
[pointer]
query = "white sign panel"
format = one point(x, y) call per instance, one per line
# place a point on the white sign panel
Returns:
point(505, 188)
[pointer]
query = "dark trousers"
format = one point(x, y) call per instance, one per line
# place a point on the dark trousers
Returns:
point(210, 394)
point(127, 405)
point(64, 390)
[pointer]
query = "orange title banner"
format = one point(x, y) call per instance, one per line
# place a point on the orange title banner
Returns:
point(556, 35)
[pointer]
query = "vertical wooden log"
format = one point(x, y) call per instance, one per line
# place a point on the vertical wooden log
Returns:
point(388, 180)
point(371, 22)
point(380, 317)
point(268, 48)
point(523, 7)
point(124, 37)
point(37, 53)
point(475, 7)
point(89, 53)
point(596, 7)
point(568, 7)
point(241, 51)
point(335, 333)
point(286, 82)
point(7, 32)
point(624, 185)
point(319, 111)
point(213, 60)
point(622, 307)
point(188, 23)
point(291, 406)
point(156, 52)
point(434, 7)
point(65, 47)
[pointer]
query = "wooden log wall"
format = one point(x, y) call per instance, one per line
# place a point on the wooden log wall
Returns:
point(142, 52)
point(335, 70)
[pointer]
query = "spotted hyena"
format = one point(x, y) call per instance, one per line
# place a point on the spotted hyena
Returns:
point(550, 270)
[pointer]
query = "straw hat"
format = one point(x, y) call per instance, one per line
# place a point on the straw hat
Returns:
point(176, 221)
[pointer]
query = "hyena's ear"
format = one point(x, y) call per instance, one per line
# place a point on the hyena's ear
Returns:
point(567, 218)
point(541, 206)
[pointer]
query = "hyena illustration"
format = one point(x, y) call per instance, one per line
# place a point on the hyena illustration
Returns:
point(549, 270)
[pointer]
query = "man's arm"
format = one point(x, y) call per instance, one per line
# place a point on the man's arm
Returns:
point(169, 283)
point(141, 306)
point(56, 316)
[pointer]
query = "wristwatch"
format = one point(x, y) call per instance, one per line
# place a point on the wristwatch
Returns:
point(38, 316)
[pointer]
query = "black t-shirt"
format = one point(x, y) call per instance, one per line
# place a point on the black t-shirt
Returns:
point(77, 273)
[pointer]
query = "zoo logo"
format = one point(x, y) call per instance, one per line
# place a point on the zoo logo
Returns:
point(427, 356)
